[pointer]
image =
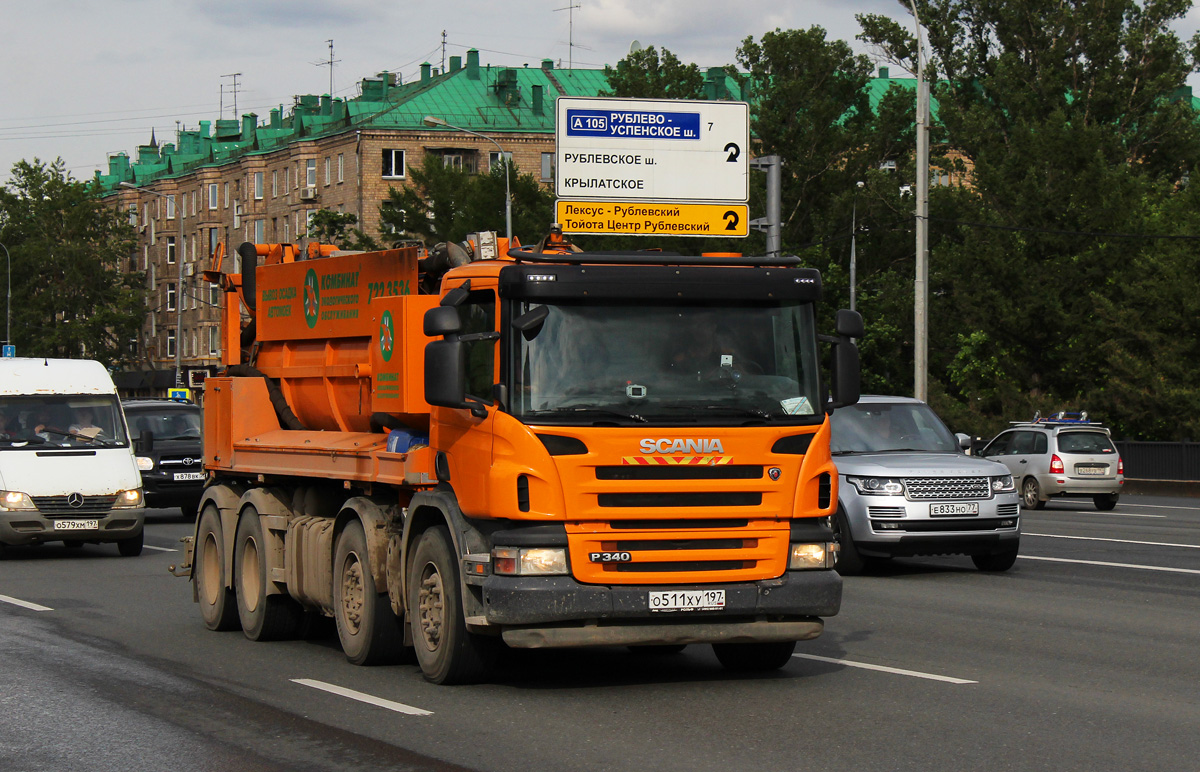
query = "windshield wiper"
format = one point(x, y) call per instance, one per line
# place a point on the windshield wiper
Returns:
point(593, 409)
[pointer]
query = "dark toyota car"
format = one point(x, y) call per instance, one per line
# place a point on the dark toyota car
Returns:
point(169, 450)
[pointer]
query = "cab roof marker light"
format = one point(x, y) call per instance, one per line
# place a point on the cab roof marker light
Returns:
point(541, 277)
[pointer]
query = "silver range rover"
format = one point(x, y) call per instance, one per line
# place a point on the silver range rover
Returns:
point(907, 488)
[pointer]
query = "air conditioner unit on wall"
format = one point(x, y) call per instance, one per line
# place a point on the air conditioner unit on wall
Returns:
point(308, 194)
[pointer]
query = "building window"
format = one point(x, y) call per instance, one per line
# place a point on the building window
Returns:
point(341, 167)
point(310, 176)
point(547, 167)
point(170, 343)
point(195, 343)
point(454, 161)
point(286, 231)
point(258, 186)
point(133, 215)
point(494, 158)
point(195, 195)
point(237, 214)
point(287, 178)
point(170, 250)
point(214, 341)
point(171, 296)
point(260, 231)
point(328, 171)
point(214, 240)
point(274, 183)
point(213, 194)
point(226, 195)
point(393, 164)
point(171, 206)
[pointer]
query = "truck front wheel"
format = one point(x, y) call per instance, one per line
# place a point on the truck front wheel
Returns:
point(446, 651)
point(748, 657)
point(368, 630)
point(264, 617)
point(217, 605)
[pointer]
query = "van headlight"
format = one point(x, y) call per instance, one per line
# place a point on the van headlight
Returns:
point(1003, 484)
point(128, 499)
point(529, 561)
point(15, 500)
point(877, 486)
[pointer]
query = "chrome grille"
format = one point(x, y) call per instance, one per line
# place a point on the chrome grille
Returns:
point(1008, 510)
point(58, 505)
point(924, 488)
point(885, 511)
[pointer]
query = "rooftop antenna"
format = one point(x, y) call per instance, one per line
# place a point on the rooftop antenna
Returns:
point(570, 9)
point(443, 50)
point(328, 64)
point(235, 76)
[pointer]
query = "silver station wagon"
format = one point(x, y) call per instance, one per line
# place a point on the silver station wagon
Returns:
point(1060, 457)
point(907, 488)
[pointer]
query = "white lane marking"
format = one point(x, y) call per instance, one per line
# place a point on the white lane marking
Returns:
point(24, 604)
point(1158, 506)
point(341, 691)
point(1027, 513)
point(1119, 541)
point(160, 549)
point(1114, 565)
point(883, 669)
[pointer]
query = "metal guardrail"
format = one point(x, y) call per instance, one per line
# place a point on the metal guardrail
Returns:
point(1160, 460)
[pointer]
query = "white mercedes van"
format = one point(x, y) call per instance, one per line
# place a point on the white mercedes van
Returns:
point(67, 469)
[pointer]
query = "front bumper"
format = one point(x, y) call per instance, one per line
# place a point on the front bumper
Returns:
point(558, 611)
point(893, 526)
point(21, 527)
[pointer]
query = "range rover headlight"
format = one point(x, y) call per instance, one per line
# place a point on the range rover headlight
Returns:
point(1003, 484)
point(877, 486)
point(15, 500)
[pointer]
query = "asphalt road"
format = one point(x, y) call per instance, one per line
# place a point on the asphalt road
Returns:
point(1082, 657)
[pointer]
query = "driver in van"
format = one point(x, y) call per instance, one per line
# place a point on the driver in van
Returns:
point(83, 423)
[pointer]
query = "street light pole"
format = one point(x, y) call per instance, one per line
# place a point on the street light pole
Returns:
point(8, 311)
point(431, 120)
point(853, 238)
point(179, 255)
point(921, 283)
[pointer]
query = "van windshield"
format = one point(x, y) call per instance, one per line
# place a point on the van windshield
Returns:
point(61, 420)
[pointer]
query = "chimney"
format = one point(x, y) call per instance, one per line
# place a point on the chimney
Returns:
point(883, 72)
point(547, 64)
point(204, 128)
point(249, 124)
point(473, 64)
point(714, 83)
point(425, 72)
point(325, 104)
point(455, 63)
point(537, 99)
point(118, 166)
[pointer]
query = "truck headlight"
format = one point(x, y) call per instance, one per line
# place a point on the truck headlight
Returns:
point(812, 555)
point(877, 486)
point(1003, 484)
point(15, 500)
point(529, 561)
point(128, 499)
point(145, 463)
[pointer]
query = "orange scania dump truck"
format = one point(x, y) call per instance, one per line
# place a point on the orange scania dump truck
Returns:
point(553, 448)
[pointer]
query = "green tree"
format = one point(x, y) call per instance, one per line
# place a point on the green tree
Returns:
point(74, 288)
point(1070, 126)
point(445, 204)
point(330, 227)
point(644, 75)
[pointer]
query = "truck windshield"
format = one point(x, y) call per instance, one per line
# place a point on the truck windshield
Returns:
point(624, 362)
point(874, 427)
point(37, 421)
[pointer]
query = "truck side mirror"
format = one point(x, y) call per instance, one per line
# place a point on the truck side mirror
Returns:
point(849, 323)
point(442, 320)
point(846, 371)
point(446, 373)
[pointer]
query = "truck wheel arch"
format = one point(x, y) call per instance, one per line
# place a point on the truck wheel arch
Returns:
point(374, 517)
point(432, 508)
point(226, 498)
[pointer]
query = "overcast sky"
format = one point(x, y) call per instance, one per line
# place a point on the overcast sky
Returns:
point(84, 79)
